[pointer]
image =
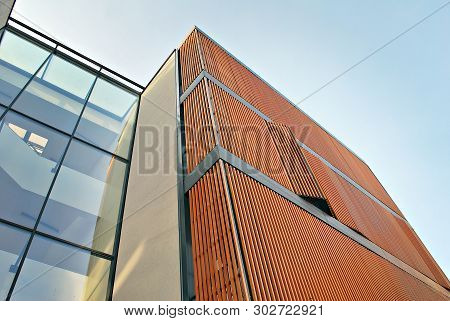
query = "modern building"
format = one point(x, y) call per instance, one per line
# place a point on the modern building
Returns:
point(206, 184)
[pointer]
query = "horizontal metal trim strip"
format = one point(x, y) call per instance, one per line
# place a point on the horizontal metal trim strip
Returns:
point(202, 168)
point(57, 239)
point(352, 182)
point(254, 173)
point(204, 73)
point(236, 96)
point(192, 86)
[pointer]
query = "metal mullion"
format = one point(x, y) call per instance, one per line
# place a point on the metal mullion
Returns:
point(57, 43)
point(65, 56)
point(66, 134)
point(78, 63)
point(184, 231)
point(2, 32)
point(19, 269)
point(27, 83)
point(73, 60)
point(29, 38)
point(116, 83)
point(4, 112)
point(102, 149)
point(112, 272)
point(40, 122)
point(22, 227)
point(79, 246)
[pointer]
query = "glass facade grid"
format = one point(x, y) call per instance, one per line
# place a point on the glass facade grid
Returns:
point(56, 271)
point(64, 186)
point(12, 246)
point(84, 204)
point(57, 94)
point(108, 119)
point(28, 168)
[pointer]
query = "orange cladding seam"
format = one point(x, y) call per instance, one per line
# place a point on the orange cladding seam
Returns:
point(189, 61)
point(217, 271)
point(302, 179)
point(246, 135)
point(338, 200)
point(198, 126)
point(429, 260)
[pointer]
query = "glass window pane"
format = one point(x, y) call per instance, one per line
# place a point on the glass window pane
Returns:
point(19, 60)
point(85, 201)
point(57, 94)
point(56, 271)
point(2, 110)
point(29, 156)
point(108, 120)
point(12, 245)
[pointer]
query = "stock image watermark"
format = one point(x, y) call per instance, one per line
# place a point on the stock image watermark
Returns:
point(261, 147)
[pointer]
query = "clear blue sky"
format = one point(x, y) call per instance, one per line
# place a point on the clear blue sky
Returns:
point(393, 110)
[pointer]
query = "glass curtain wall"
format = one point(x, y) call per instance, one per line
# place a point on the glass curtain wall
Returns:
point(65, 136)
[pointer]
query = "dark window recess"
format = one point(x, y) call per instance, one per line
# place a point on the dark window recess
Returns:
point(320, 203)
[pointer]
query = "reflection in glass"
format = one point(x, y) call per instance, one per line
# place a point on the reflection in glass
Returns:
point(109, 117)
point(57, 94)
point(56, 271)
point(12, 245)
point(29, 157)
point(85, 201)
point(19, 60)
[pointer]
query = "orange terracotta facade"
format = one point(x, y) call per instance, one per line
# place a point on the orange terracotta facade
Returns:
point(251, 243)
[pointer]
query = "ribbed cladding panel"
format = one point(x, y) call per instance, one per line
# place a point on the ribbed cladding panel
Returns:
point(297, 168)
point(339, 156)
point(256, 88)
point(372, 277)
point(242, 81)
point(429, 260)
point(245, 134)
point(189, 60)
point(392, 283)
point(366, 281)
point(281, 246)
point(291, 255)
point(368, 180)
point(199, 131)
point(217, 268)
point(359, 212)
point(259, 94)
point(381, 228)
